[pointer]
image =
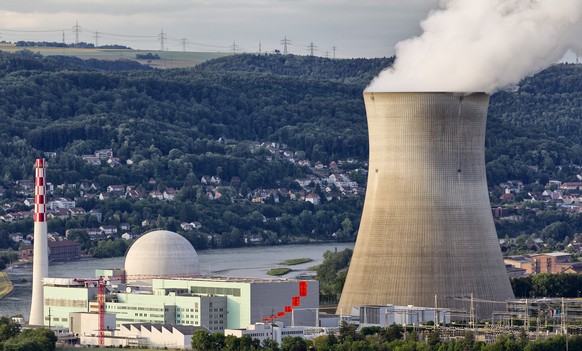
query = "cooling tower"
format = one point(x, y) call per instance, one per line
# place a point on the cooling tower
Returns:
point(40, 254)
point(427, 227)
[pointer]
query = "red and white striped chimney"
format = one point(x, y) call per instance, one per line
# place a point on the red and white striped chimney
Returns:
point(40, 259)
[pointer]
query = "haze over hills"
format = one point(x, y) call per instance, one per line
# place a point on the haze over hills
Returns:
point(181, 124)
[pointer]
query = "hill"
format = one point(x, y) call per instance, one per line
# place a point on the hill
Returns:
point(167, 59)
point(248, 119)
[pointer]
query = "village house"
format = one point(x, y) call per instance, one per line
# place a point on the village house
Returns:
point(116, 190)
point(554, 263)
point(157, 195)
point(169, 194)
point(108, 229)
point(64, 250)
point(95, 213)
point(77, 211)
point(61, 203)
point(104, 154)
point(92, 160)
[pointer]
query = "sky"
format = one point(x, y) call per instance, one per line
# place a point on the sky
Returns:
point(356, 28)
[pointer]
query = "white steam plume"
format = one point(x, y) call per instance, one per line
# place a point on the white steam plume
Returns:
point(483, 45)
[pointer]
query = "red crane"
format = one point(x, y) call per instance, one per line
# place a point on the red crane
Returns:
point(100, 302)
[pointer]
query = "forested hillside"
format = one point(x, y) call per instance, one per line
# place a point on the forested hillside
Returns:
point(234, 118)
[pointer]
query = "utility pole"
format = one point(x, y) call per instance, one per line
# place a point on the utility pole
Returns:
point(436, 311)
point(183, 41)
point(234, 47)
point(334, 48)
point(162, 36)
point(96, 39)
point(259, 47)
point(472, 314)
point(63, 37)
point(285, 42)
point(311, 48)
point(77, 29)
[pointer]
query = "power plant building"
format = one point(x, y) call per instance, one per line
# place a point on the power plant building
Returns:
point(427, 236)
point(180, 296)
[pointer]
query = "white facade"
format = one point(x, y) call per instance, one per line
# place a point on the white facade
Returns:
point(261, 331)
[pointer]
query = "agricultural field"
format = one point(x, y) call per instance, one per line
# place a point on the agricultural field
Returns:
point(168, 59)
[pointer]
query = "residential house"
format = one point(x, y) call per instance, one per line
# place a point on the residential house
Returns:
point(190, 226)
point(64, 250)
point(104, 154)
point(113, 162)
point(92, 160)
point(96, 213)
point(313, 198)
point(169, 194)
point(571, 186)
point(116, 190)
point(61, 203)
point(77, 211)
point(61, 213)
point(108, 229)
point(157, 195)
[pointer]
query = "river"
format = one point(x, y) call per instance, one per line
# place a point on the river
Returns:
point(240, 262)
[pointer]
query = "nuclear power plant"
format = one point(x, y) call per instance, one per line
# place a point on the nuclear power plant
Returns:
point(427, 234)
point(40, 260)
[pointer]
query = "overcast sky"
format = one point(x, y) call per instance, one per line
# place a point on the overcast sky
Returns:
point(357, 28)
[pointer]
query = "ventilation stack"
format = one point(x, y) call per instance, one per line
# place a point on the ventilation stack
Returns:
point(427, 230)
point(40, 258)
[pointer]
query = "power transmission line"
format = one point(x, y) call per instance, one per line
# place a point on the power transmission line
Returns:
point(234, 47)
point(184, 41)
point(162, 36)
point(285, 42)
point(311, 48)
point(96, 39)
point(76, 29)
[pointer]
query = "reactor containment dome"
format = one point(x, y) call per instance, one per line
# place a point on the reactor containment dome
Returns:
point(160, 253)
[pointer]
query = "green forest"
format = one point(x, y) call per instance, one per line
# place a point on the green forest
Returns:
point(176, 126)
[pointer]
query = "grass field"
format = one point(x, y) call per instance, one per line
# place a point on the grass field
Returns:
point(278, 271)
point(168, 59)
point(5, 285)
point(295, 261)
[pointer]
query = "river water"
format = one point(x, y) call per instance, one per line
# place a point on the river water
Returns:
point(240, 262)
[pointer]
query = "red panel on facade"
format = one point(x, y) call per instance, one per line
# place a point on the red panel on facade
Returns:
point(302, 288)
point(295, 301)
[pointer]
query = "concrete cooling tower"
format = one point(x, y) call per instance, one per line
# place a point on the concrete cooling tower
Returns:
point(427, 227)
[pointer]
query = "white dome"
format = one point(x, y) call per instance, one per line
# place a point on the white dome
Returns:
point(161, 252)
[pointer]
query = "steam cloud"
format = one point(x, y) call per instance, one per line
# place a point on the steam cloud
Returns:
point(483, 45)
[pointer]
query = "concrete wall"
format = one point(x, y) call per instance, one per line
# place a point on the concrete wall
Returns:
point(426, 227)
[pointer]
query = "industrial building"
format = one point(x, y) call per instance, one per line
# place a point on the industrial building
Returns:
point(427, 228)
point(177, 294)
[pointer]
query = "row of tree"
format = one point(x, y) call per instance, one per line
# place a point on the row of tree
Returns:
point(392, 338)
point(12, 338)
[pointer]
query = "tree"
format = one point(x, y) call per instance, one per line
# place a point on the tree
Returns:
point(8, 329)
point(394, 332)
point(202, 341)
point(557, 231)
point(32, 340)
point(293, 343)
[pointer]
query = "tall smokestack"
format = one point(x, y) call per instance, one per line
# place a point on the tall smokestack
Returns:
point(40, 259)
point(426, 227)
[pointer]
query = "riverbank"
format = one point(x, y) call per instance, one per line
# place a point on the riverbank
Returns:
point(5, 284)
